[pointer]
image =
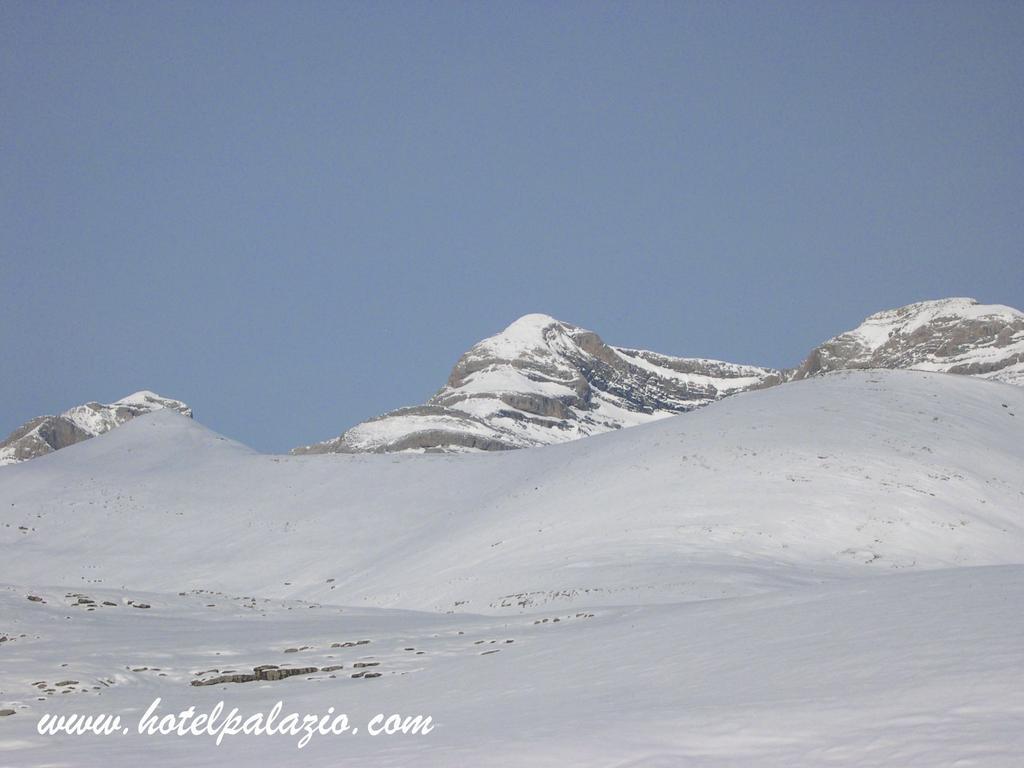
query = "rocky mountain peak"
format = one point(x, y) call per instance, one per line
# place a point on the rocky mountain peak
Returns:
point(542, 380)
point(956, 335)
point(45, 434)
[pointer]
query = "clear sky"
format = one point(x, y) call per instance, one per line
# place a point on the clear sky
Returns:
point(298, 215)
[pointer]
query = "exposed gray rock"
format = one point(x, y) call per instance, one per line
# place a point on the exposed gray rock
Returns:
point(281, 674)
point(235, 678)
point(267, 672)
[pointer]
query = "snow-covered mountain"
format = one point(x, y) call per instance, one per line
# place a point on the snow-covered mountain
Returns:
point(949, 335)
point(45, 434)
point(543, 381)
point(852, 472)
point(822, 573)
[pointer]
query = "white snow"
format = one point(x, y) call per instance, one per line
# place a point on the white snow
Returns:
point(143, 398)
point(371, 433)
point(522, 336)
point(826, 572)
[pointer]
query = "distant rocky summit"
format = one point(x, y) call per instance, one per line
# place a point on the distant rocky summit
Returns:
point(949, 335)
point(45, 434)
point(543, 381)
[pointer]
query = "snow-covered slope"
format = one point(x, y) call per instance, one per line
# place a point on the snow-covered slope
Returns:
point(920, 670)
point(854, 472)
point(543, 381)
point(564, 604)
point(45, 434)
point(950, 335)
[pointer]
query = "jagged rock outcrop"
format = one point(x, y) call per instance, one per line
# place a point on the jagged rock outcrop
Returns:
point(543, 381)
point(949, 335)
point(45, 434)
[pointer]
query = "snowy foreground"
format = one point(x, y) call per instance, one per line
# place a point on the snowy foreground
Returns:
point(830, 572)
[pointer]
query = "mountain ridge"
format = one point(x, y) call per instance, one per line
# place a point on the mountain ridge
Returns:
point(542, 380)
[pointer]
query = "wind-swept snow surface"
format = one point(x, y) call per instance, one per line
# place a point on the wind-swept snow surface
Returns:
point(825, 573)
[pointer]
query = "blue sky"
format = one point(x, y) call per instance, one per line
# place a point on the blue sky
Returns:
point(295, 216)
